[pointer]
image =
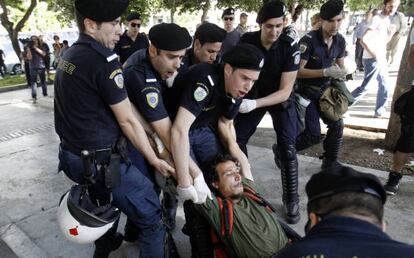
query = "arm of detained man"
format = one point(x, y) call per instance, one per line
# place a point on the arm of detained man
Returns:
point(368, 41)
point(135, 132)
point(227, 135)
point(286, 85)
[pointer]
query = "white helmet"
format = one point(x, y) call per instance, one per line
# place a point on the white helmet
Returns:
point(80, 220)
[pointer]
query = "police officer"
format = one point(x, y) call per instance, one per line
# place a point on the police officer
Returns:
point(145, 74)
point(233, 35)
point(132, 40)
point(207, 43)
point(92, 112)
point(345, 211)
point(210, 99)
point(322, 59)
point(271, 93)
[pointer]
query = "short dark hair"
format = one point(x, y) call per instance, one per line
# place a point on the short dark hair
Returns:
point(386, 1)
point(357, 203)
point(65, 42)
point(210, 166)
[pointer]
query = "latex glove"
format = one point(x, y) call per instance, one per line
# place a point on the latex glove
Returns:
point(187, 193)
point(334, 72)
point(202, 189)
point(247, 105)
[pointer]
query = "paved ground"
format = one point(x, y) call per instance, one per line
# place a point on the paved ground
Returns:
point(31, 188)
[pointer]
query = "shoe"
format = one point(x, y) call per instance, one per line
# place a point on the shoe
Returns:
point(391, 187)
point(34, 100)
point(103, 250)
point(380, 113)
point(292, 212)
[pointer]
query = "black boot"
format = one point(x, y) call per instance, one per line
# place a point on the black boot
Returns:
point(107, 243)
point(289, 167)
point(332, 145)
point(169, 210)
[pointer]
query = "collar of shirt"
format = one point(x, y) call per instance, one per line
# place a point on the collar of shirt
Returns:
point(151, 75)
point(98, 47)
point(336, 224)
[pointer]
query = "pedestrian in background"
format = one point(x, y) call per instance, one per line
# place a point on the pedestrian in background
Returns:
point(35, 55)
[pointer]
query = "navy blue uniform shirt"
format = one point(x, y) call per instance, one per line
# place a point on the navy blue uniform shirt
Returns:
point(88, 80)
point(314, 49)
point(126, 47)
point(201, 92)
point(144, 86)
point(345, 237)
point(282, 56)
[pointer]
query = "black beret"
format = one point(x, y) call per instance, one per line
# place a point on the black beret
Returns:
point(343, 179)
point(244, 56)
point(101, 11)
point(169, 36)
point(331, 9)
point(209, 32)
point(228, 11)
point(133, 16)
point(269, 10)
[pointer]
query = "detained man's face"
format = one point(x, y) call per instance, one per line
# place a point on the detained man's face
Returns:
point(230, 180)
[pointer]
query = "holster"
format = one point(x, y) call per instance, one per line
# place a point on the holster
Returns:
point(112, 171)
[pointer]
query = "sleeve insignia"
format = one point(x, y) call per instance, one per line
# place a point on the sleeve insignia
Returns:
point(200, 93)
point(303, 48)
point(152, 99)
point(119, 80)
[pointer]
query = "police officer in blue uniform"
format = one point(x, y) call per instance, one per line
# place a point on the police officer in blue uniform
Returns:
point(322, 59)
point(132, 40)
point(210, 99)
point(92, 112)
point(272, 93)
point(145, 73)
point(206, 47)
point(345, 211)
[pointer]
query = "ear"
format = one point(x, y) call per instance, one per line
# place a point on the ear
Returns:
point(313, 220)
point(197, 44)
point(228, 69)
point(152, 50)
point(90, 25)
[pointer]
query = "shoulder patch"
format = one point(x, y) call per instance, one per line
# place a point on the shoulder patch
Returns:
point(119, 80)
point(303, 47)
point(152, 99)
point(296, 56)
point(115, 72)
point(200, 93)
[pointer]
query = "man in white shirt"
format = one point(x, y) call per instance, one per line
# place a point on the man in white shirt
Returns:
point(374, 57)
point(398, 26)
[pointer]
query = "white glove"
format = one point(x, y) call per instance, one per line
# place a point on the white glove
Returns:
point(334, 72)
point(247, 105)
point(188, 193)
point(202, 189)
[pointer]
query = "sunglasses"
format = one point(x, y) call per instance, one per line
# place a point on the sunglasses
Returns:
point(228, 18)
point(133, 24)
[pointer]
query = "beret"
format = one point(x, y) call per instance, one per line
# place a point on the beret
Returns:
point(331, 9)
point(228, 11)
point(343, 179)
point(244, 56)
point(209, 32)
point(170, 37)
point(101, 11)
point(269, 10)
point(133, 16)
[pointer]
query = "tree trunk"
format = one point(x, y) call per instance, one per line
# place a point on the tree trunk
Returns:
point(205, 9)
point(404, 79)
point(14, 32)
point(172, 11)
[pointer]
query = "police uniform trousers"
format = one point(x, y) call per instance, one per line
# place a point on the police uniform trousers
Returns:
point(204, 144)
point(135, 197)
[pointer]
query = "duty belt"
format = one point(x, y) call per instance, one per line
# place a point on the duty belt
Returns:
point(99, 154)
